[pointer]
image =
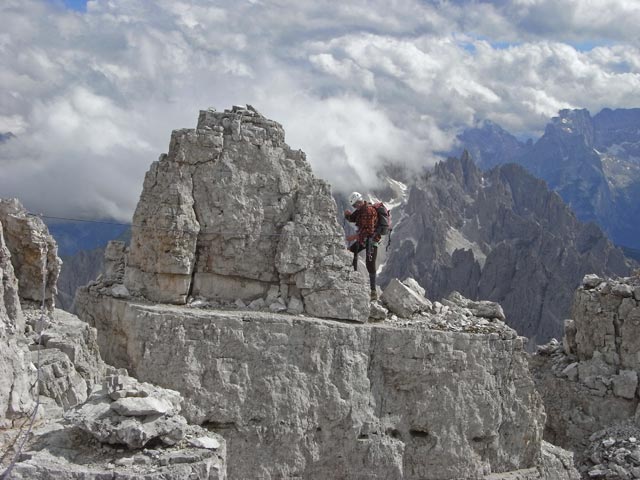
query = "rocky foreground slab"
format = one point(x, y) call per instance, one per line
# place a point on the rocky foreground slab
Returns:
point(441, 393)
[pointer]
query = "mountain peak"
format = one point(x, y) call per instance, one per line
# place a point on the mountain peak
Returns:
point(576, 123)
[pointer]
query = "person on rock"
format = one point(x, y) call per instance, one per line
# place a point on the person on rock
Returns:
point(365, 217)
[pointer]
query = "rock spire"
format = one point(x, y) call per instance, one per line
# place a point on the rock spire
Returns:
point(233, 212)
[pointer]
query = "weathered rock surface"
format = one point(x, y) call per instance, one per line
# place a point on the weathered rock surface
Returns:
point(16, 378)
point(115, 261)
point(59, 379)
point(589, 382)
point(232, 211)
point(232, 223)
point(63, 453)
point(613, 452)
point(304, 397)
point(403, 300)
point(65, 352)
point(29, 242)
point(125, 412)
point(502, 236)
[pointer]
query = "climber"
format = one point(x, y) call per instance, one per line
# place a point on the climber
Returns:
point(365, 217)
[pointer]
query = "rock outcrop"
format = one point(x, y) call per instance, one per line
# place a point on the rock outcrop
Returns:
point(30, 244)
point(67, 454)
point(27, 252)
point(502, 236)
point(236, 254)
point(231, 212)
point(67, 350)
point(50, 365)
point(16, 378)
point(442, 394)
point(589, 382)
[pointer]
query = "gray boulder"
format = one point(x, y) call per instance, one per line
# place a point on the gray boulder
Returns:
point(403, 300)
point(482, 308)
point(140, 406)
point(142, 414)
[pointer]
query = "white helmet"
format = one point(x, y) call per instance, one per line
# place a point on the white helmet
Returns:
point(354, 197)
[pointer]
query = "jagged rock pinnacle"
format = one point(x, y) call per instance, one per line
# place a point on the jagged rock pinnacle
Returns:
point(231, 212)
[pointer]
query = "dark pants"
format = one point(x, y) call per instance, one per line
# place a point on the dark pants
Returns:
point(370, 260)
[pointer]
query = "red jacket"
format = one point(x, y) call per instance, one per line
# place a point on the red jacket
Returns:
point(366, 219)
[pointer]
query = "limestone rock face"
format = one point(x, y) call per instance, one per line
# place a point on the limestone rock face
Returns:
point(607, 319)
point(16, 377)
point(59, 379)
point(10, 310)
point(589, 382)
point(29, 241)
point(304, 397)
point(65, 352)
point(231, 212)
point(114, 261)
point(124, 412)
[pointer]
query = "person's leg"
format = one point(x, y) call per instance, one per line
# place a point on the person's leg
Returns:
point(371, 268)
point(355, 248)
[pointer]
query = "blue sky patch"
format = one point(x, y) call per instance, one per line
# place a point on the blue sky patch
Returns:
point(77, 5)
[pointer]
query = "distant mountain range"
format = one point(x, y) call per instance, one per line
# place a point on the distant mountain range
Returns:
point(75, 236)
point(81, 247)
point(592, 162)
point(499, 235)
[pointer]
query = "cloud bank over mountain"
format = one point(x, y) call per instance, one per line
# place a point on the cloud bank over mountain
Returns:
point(92, 96)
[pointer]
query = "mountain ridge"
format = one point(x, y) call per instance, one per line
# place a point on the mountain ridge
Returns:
point(592, 162)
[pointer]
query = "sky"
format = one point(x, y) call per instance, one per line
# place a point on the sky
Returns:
point(92, 90)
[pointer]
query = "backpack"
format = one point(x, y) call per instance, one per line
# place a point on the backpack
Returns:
point(383, 227)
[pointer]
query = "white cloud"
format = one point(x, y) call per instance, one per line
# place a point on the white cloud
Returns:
point(93, 96)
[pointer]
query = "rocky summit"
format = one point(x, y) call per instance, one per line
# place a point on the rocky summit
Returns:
point(231, 212)
point(237, 293)
point(206, 351)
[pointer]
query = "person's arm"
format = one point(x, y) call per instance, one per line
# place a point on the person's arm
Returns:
point(350, 216)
